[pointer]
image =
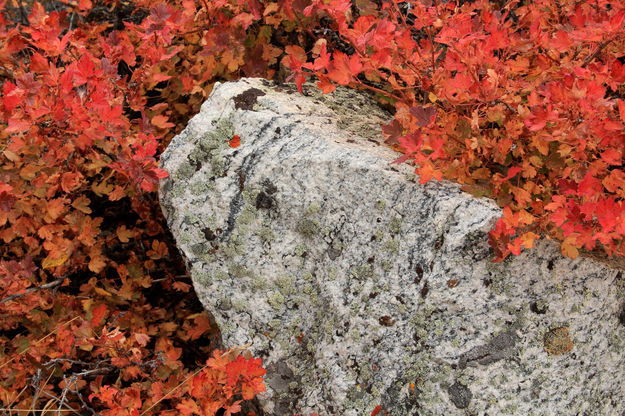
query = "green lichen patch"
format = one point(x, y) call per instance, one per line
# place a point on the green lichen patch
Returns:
point(391, 246)
point(286, 284)
point(185, 171)
point(211, 146)
point(313, 209)
point(276, 300)
point(237, 270)
point(258, 282)
point(199, 188)
point(199, 249)
point(234, 247)
point(300, 250)
point(362, 272)
point(265, 234)
point(247, 215)
point(394, 226)
point(307, 227)
point(202, 276)
point(191, 219)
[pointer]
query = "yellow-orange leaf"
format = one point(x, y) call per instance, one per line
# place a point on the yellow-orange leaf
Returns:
point(97, 263)
point(124, 234)
point(50, 262)
point(162, 122)
point(568, 249)
point(101, 291)
point(82, 204)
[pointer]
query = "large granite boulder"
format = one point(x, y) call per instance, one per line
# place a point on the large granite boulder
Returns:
point(360, 287)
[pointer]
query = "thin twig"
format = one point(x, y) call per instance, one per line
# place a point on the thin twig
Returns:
point(35, 382)
point(172, 390)
point(23, 13)
point(38, 341)
point(58, 410)
point(71, 22)
point(50, 285)
point(593, 55)
point(6, 409)
point(83, 402)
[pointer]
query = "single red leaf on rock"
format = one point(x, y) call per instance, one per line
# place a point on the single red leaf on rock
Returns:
point(235, 141)
point(377, 410)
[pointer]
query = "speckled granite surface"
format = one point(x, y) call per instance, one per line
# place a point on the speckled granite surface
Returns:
point(360, 287)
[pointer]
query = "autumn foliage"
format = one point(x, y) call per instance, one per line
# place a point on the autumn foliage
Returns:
point(96, 311)
point(522, 102)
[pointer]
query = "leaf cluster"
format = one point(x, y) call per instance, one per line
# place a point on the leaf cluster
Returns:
point(96, 312)
point(519, 102)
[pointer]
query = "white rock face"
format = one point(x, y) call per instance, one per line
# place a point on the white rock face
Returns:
point(359, 287)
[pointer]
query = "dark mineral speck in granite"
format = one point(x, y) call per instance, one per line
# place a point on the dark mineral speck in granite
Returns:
point(621, 317)
point(500, 347)
point(264, 201)
point(247, 99)
point(460, 395)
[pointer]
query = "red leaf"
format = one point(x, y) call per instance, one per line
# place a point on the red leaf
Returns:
point(343, 68)
point(611, 156)
point(17, 126)
point(97, 314)
point(235, 141)
point(589, 186)
point(410, 143)
point(84, 5)
point(621, 108)
point(424, 115)
point(392, 131)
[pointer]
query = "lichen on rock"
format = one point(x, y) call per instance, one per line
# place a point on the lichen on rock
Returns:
point(360, 287)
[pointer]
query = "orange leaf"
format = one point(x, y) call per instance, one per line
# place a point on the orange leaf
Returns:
point(181, 287)
point(568, 248)
point(162, 122)
point(17, 126)
point(188, 407)
point(97, 262)
point(55, 207)
point(158, 77)
point(82, 204)
point(142, 339)
point(202, 324)
point(84, 5)
point(89, 230)
point(124, 234)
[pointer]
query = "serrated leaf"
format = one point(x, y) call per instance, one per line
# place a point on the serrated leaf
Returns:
point(50, 262)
